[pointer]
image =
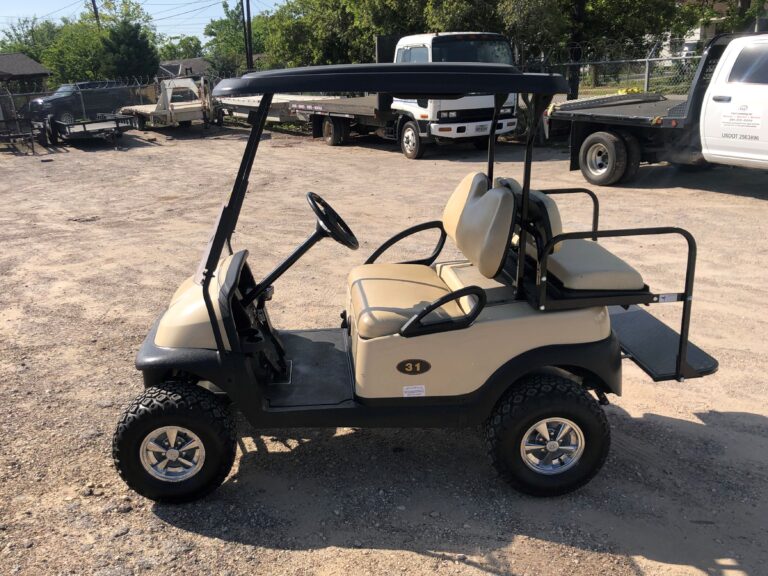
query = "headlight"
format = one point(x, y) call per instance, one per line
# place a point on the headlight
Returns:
point(505, 111)
point(447, 114)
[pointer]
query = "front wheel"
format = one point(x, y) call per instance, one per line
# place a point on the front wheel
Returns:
point(548, 436)
point(175, 442)
point(410, 142)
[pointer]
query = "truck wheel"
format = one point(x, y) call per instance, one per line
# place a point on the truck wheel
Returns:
point(603, 158)
point(66, 117)
point(634, 154)
point(175, 442)
point(482, 142)
point(141, 123)
point(410, 141)
point(51, 131)
point(547, 436)
point(185, 124)
point(335, 131)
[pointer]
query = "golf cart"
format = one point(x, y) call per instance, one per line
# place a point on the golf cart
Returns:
point(524, 335)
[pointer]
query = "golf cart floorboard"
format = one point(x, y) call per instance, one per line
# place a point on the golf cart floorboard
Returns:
point(653, 345)
point(320, 372)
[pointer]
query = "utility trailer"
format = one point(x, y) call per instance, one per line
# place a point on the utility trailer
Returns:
point(109, 127)
point(181, 101)
point(721, 121)
point(14, 129)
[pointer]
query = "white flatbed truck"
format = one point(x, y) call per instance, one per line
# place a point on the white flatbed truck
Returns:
point(724, 119)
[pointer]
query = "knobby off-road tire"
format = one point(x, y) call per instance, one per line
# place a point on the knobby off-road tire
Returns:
point(634, 155)
point(544, 397)
point(196, 414)
point(603, 158)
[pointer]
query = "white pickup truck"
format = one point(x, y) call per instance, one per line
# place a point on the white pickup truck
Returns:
point(180, 102)
point(724, 119)
point(415, 123)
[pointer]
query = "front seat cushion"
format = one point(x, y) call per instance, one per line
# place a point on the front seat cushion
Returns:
point(382, 297)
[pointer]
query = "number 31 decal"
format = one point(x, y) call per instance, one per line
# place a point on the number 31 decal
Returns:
point(413, 367)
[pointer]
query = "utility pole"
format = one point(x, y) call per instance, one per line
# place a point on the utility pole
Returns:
point(96, 14)
point(249, 46)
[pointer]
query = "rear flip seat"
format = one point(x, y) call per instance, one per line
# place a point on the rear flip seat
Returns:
point(576, 264)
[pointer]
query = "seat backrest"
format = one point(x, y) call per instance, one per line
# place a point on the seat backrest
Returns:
point(480, 221)
point(542, 210)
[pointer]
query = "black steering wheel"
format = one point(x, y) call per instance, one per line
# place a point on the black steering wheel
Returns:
point(331, 222)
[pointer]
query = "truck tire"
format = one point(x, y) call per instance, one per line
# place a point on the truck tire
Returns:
point(410, 141)
point(634, 154)
point(603, 158)
point(547, 436)
point(50, 129)
point(141, 123)
point(185, 124)
point(335, 130)
point(66, 117)
point(175, 442)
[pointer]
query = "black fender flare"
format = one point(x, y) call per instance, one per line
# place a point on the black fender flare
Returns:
point(597, 363)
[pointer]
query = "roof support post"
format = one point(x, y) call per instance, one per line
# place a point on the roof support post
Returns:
point(498, 102)
point(534, 109)
point(230, 213)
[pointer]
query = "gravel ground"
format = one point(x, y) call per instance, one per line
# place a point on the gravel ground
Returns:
point(95, 241)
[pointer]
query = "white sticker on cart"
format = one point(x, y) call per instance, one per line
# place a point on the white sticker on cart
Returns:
point(413, 391)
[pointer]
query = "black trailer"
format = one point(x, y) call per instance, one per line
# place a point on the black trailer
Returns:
point(611, 135)
point(110, 127)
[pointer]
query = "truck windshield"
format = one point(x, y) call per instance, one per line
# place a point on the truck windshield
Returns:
point(65, 89)
point(492, 50)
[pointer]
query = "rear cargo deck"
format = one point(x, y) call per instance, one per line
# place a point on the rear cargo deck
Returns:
point(653, 345)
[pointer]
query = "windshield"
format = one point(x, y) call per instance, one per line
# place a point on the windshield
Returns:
point(65, 89)
point(494, 51)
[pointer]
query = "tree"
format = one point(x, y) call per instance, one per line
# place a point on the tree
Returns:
point(535, 27)
point(128, 52)
point(77, 53)
point(181, 47)
point(225, 50)
point(29, 36)
point(459, 15)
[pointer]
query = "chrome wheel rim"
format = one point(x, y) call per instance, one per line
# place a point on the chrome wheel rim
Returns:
point(67, 118)
point(409, 140)
point(172, 454)
point(552, 446)
point(598, 159)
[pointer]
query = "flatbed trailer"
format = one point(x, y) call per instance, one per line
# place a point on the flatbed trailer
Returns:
point(718, 122)
point(281, 109)
point(109, 127)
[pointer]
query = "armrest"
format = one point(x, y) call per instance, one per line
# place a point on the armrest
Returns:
point(414, 326)
point(409, 232)
point(588, 192)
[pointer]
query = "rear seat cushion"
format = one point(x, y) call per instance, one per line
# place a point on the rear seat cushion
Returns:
point(586, 265)
point(382, 297)
point(542, 210)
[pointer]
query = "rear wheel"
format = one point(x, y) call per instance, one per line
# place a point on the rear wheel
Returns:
point(175, 442)
point(410, 141)
point(634, 154)
point(603, 158)
point(335, 130)
point(548, 436)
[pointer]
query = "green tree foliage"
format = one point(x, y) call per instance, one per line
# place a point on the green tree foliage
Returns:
point(29, 36)
point(128, 52)
point(534, 26)
point(77, 53)
point(181, 47)
point(225, 50)
point(459, 15)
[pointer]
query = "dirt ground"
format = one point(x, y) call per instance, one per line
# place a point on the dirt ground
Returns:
point(95, 241)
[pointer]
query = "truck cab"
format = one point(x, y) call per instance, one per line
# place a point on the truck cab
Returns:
point(734, 118)
point(467, 118)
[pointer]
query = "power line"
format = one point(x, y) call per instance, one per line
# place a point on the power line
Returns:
point(187, 12)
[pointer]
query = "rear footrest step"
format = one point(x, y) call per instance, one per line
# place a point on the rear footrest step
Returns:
point(653, 345)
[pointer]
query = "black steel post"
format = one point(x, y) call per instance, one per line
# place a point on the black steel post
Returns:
point(248, 35)
point(531, 110)
point(498, 102)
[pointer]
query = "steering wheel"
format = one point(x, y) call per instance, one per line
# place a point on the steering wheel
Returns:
point(331, 222)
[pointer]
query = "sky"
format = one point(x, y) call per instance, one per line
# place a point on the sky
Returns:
point(173, 17)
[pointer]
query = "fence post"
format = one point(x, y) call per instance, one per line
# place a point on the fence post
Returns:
point(647, 79)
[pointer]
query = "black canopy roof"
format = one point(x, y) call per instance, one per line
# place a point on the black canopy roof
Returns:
point(423, 80)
